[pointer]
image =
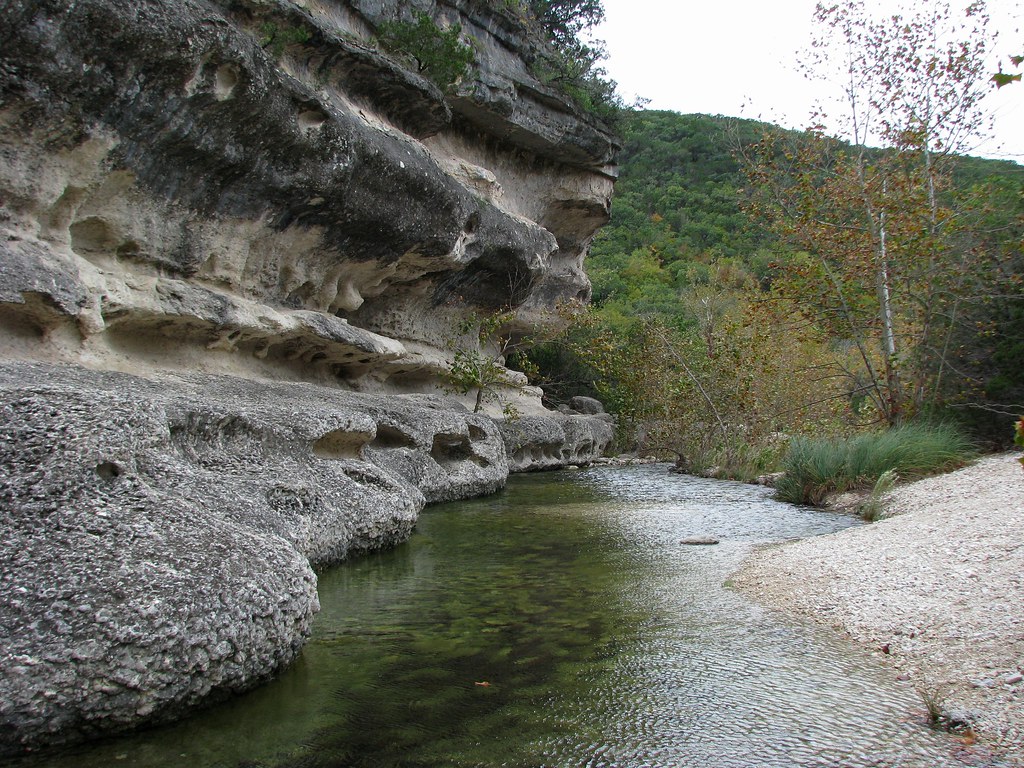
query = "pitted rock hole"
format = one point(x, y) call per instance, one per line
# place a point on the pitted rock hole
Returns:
point(92, 235)
point(450, 449)
point(299, 297)
point(584, 449)
point(311, 119)
point(291, 502)
point(129, 249)
point(366, 477)
point(108, 470)
point(392, 437)
point(224, 81)
point(213, 439)
point(341, 444)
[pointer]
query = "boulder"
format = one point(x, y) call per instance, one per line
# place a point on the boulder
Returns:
point(540, 442)
point(587, 405)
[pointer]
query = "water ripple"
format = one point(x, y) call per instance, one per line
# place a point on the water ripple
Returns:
point(562, 624)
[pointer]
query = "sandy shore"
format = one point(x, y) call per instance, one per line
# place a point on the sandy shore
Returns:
point(936, 590)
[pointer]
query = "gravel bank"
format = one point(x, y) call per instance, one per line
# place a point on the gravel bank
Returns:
point(937, 590)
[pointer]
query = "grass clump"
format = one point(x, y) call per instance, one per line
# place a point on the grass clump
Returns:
point(816, 468)
point(934, 700)
point(871, 510)
point(744, 462)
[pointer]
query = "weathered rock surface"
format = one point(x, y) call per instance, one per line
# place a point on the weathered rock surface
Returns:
point(587, 405)
point(550, 441)
point(236, 240)
point(152, 144)
point(159, 534)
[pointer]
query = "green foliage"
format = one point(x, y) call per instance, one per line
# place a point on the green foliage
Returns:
point(571, 64)
point(816, 468)
point(677, 209)
point(439, 54)
point(479, 367)
point(276, 39)
point(472, 370)
point(741, 461)
point(890, 268)
point(480, 363)
point(717, 395)
point(682, 306)
point(943, 238)
point(564, 56)
point(813, 469)
point(871, 509)
point(740, 305)
point(565, 20)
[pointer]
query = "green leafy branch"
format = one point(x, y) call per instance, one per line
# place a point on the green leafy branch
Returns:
point(481, 368)
point(438, 54)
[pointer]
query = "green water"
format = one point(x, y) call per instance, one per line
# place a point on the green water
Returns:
point(562, 623)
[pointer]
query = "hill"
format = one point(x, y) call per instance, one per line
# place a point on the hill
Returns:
point(685, 250)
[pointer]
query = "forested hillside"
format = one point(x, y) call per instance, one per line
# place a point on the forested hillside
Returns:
point(677, 209)
point(718, 325)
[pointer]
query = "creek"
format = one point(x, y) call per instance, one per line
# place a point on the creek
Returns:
point(563, 623)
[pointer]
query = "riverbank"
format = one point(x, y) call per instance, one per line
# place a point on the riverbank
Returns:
point(936, 590)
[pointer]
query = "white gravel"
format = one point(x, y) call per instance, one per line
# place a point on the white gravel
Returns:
point(937, 590)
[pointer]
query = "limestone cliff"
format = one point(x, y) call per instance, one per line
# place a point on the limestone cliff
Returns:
point(235, 241)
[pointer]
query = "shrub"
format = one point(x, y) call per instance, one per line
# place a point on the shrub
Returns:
point(816, 468)
point(812, 470)
point(438, 53)
point(871, 510)
point(276, 39)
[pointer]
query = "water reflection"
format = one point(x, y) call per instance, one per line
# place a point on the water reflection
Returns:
point(562, 623)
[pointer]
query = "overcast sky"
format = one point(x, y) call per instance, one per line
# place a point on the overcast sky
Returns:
point(738, 58)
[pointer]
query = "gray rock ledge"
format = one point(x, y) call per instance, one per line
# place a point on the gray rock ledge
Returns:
point(160, 534)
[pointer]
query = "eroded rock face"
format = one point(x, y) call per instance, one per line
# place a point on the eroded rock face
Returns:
point(159, 535)
point(186, 178)
point(235, 239)
point(555, 440)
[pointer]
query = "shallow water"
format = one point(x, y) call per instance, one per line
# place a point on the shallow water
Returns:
point(561, 623)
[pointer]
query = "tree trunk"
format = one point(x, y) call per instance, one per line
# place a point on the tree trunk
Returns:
point(894, 409)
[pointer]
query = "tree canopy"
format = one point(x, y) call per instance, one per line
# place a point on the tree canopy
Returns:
point(565, 20)
point(696, 288)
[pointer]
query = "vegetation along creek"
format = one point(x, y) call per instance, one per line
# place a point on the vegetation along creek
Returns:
point(563, 623)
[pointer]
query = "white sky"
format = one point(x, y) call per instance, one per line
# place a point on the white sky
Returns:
point(738, 58)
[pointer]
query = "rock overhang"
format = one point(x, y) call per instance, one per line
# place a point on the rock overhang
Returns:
point(213, 247)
